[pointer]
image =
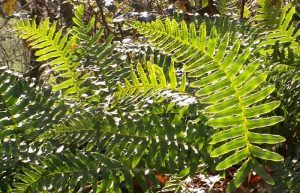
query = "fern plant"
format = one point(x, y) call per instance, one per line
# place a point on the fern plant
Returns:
point(228, 80)
point(128, 147)
point(114, 142)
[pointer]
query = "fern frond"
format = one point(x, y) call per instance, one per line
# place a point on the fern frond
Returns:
point(130, 140)
point(277, 26)
point(26, 112)
point(230, 84)
point(267, 16)
point(24, 107)
point(56, 48)
point(67, 172)
point(138, 143)
point(223, 25)
point(287, 175)
point(71, 55)
point(154, 86)
point(81, 28)
point(99, 58)
point(233, 8)
point(227, 7)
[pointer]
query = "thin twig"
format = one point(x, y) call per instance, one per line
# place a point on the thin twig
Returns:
point(104, 21)
point(242, 9)
point(20, 9)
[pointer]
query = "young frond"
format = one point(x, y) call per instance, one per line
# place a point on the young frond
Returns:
point(153, 86)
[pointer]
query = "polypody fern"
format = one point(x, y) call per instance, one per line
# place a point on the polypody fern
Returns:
point(229, 81)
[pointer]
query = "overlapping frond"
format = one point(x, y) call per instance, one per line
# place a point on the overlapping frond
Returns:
point(287, 175)
point(228, 7)
point(224, 25)
point(24, 107)
point(130, 140)
point(230, 82)
point(96, 56)
point(63, 172)
point(267, 15)
point(277, 26)
point(154, 86)
point(81, 65)
point(233, 8)
point(26, 111)
point(139, 143)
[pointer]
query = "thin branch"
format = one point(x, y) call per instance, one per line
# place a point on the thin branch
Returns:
point(242, 8)
point(20, 9)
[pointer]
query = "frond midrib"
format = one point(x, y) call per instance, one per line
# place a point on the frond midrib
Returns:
point(144, 138)
point(242, 108)
point(162, 88)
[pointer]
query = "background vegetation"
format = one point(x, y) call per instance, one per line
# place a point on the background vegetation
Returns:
point(149, 96)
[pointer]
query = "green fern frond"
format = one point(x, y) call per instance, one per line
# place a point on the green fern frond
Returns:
point(286, 175)
point(67, 172)
point(139, 144)
point(78, 131)
point(129, 140)
point(227, 7)
point(99, 58)
point(223, 25)
point(70, 56)
point(24, 107)
point(267, 16)
point(233, 8)
point(26, 112)
point(56, 48)
point(230, 84)
point(276, 23)
point(81, 29)
point(154, 86)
